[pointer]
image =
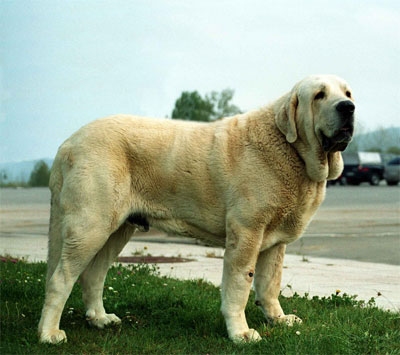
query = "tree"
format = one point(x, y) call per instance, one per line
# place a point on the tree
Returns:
point(393, 150)
point(383, 140)
point(3, 176)
point(40, 174)
point(357, 141)
point(377, 140)
point(222, 107)
point(191, 106)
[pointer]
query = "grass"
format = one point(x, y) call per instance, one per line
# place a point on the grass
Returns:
point(166, 316)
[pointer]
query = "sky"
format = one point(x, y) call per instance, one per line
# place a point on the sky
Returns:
point(66, 63)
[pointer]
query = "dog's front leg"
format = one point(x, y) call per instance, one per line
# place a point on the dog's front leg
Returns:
point(241, 252)
point(268, 284)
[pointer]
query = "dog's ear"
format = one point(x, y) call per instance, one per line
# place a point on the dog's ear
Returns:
point(285, 118)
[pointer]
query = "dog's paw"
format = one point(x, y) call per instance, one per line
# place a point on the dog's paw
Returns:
point(289, 320)
point(55, 336)
point(247, 337)
point(102, 320)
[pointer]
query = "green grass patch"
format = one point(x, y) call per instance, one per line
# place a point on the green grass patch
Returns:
point(161, 315)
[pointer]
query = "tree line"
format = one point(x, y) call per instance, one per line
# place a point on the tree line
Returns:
point(192, 106)
point(381, 140)
point(215, 105)
point(39, 177)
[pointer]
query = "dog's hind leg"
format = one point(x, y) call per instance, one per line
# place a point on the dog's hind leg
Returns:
point(92, 279)
point(55, 237)
point(82, 238)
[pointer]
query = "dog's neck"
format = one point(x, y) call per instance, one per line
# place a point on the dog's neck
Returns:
point(320, 165)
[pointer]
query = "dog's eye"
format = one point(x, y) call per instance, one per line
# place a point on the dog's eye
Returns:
point(348, 93)
point(319, 96)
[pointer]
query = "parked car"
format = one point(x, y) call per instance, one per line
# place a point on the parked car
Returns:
point(392, 172)
point(363, 167)
point(341, 180)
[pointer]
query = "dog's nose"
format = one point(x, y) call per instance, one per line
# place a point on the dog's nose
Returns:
point(345, 107)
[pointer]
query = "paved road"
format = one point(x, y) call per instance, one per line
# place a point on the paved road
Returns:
point(354, 222)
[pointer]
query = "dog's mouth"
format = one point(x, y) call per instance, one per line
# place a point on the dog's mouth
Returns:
point(339, 140)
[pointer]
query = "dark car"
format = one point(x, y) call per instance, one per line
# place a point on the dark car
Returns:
point(363, 167)
point(392, 172)
point(341, 180)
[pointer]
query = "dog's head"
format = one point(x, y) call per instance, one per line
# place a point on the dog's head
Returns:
point(318, 110)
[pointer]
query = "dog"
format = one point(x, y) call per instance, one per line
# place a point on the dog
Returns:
point(250, 183)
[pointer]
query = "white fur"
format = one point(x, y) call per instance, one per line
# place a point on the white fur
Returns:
point(250, 183)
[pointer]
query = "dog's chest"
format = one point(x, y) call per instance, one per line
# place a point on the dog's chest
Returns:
point(310, 203)
point(307, 205)
point(298, 215)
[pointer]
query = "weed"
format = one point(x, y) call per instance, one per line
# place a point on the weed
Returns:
point(211, 254)
point(139, 252)
point(304, 259)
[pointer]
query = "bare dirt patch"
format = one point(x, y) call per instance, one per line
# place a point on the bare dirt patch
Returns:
point(153, 259)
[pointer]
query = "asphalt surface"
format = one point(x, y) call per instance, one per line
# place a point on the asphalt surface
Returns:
point(355, 222)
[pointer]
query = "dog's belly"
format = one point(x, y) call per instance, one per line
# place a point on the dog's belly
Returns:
point(186, 229)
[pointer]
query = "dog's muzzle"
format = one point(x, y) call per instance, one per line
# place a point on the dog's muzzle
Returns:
point(339, 140)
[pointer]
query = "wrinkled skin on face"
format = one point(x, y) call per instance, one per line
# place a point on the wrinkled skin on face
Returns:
point(330, 101)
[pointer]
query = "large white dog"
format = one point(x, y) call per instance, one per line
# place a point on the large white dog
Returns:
point(250, 183)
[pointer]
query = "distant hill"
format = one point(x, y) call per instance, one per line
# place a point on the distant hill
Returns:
point(20, 171)
point(379, 140)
